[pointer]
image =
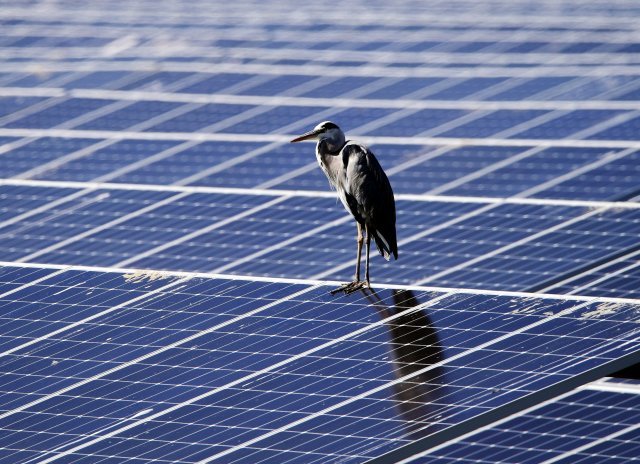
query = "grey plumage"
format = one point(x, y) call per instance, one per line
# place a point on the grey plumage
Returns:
point(363, 189)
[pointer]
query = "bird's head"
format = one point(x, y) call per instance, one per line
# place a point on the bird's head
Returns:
point(326, 131)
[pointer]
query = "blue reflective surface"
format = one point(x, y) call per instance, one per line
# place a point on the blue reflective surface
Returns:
point(555, 430)
point(216, 362)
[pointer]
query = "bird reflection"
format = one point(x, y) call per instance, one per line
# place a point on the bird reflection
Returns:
point(414, 345)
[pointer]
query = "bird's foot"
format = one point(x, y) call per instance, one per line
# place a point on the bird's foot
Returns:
point(351, 287)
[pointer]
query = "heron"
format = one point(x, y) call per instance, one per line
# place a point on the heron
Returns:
point(364, 190)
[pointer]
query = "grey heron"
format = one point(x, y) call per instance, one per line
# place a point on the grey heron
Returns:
point(363, 189)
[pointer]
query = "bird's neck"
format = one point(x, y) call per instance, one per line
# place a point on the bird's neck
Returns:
point(325, 147)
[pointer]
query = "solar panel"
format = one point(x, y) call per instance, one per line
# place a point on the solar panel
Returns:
point(596, 423)
point(166, 254)
point(242, 369)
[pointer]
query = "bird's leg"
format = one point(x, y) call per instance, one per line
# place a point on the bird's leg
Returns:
point(366, 266)
point(360, 240)
point(356, 284)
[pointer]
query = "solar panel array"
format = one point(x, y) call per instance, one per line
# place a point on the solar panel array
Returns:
point(166, 255)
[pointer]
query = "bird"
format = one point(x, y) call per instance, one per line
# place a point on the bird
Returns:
point(363, 188)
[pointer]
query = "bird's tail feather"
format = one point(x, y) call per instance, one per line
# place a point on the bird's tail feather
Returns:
point(386, 247)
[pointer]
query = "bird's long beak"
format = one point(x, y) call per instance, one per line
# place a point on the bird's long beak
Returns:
point(306, 136)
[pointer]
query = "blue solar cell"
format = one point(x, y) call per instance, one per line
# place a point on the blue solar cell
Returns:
point(417, 123)
point(527, 47)
point(105, 162)
point(132, 114)
point(273, 120)
point(616, 180)
point(580, 47)
point(70, 218)
point(555, 253)
point(244, 237)
point(98, 79)
point(470, 47)
point(568, 124)
point(438, 171)
point(466, 88)
point(217, 82)
point(600, 87)
point(339, 87)
point(261, 167)
point(29, 41)
point(422, 46)
point(194, 160)
point(156, 81)
point(17, 200)
point(163, 224)
point(493, 123)
point(36, 79)
point(60, 113)
point(567, 429)
point(631, 95)
point(542, 165)
point(529, 88)
point(9, 105)
point(277, 85)
point(404, 87)
point(618, 278)
point(625, 131)
point(38, 152)
point(199, 118)
point(630, 48)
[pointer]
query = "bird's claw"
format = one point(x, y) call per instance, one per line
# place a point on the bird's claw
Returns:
point(351, 287)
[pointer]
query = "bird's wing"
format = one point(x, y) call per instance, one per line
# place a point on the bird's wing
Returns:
point(372, 196)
